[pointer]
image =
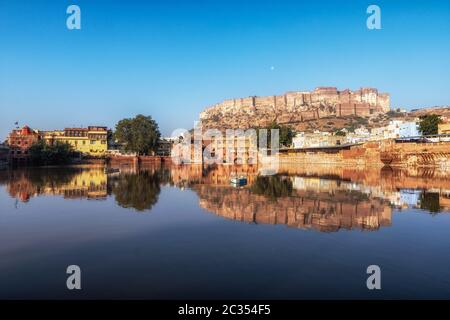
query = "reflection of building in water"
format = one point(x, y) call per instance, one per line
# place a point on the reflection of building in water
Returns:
point(313, 197)
point(403, 188)
point(22, 188)
point(444, 201)
point(324, 211)
point(70, 183)
point(409, 197)
point(89, 184)
point(399, 188)
point(184, 176)
point(399, 198)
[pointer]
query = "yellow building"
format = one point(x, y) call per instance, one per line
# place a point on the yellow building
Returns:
point(91, 141)
point(236, 149)
point(444, 128)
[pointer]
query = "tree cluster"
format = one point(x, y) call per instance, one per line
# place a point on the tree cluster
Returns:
point(57, 153)
point(139, 134)
point(429, 124)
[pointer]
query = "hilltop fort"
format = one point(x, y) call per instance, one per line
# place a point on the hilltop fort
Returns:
point(296, 107)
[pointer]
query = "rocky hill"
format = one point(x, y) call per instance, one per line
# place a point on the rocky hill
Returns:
point(323, 108)
point(443, 111)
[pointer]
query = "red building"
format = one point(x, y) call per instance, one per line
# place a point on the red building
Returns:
point(19, 141)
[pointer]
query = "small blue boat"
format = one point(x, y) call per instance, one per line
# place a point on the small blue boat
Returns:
point(238, 181)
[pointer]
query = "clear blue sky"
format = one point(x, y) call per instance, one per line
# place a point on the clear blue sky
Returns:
point(170, 59)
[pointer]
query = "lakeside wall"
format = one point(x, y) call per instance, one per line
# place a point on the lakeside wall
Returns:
point(373, 154)
point(436, 154)
point(136, 160)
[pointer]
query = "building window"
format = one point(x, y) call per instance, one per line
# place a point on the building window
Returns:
point(92, 141)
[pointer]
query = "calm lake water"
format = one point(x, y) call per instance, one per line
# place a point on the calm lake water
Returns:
point(185, 233)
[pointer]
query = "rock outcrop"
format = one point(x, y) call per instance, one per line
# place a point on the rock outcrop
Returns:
point(294, 107)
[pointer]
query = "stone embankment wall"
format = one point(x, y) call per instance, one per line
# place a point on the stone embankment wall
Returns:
point(368, 154)
point(375, 154)
point(416, 154)
point(134, 159)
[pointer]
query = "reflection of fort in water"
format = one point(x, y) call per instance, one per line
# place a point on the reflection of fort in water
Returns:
point(320, 198)
point(324, 210)
point(327, 198)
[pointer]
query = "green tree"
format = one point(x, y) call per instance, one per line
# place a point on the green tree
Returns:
point(285, 134)
point(42, 153)
point(429, 124)
point(139, 134)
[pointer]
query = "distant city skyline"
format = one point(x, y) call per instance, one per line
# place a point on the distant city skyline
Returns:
point(172, 59)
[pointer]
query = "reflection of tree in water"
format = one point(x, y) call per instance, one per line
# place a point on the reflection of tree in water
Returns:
point(4, 177)
point(430, 201)
point(137, 190)
point(272, 187)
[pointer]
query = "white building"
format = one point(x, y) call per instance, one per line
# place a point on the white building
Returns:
point(409, 129)
point(316, 139)
point(396, 129)
point(393, 129)
point(360, 134)
point(298, 141)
